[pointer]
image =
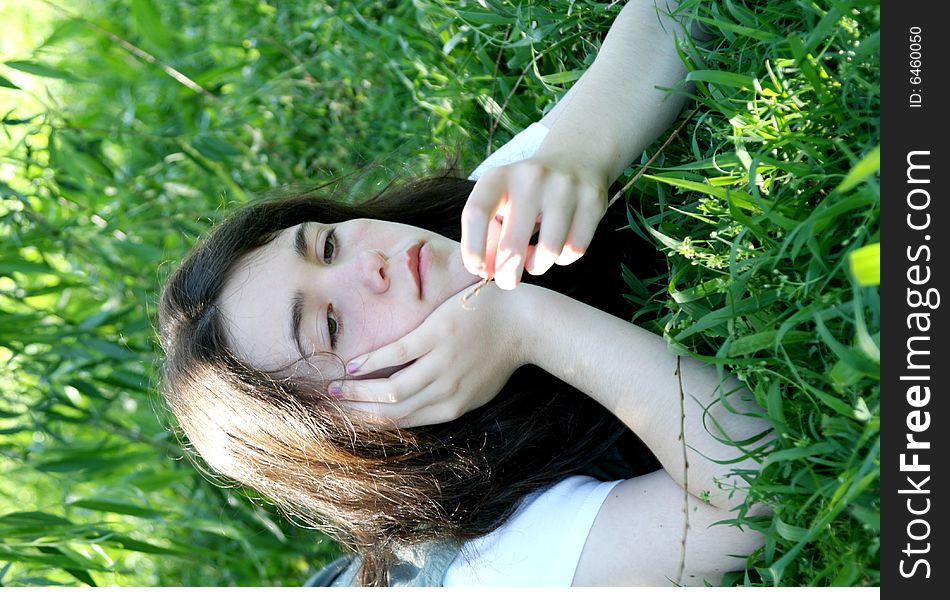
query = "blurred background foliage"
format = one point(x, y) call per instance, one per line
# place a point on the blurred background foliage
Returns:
point(129, 126)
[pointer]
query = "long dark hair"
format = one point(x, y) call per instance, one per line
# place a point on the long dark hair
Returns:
point(373, 490)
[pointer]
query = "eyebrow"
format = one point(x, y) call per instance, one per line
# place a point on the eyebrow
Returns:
point(300, 240)
point(296, 301)
point(296, 317)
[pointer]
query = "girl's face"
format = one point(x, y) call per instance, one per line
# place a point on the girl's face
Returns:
point(345, 289)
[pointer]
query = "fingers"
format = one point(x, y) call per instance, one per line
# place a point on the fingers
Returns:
point(494, 235)
point(555, 224)
point(380, 391)
point(567, 208)
point(410, 347)
point(487, 195)
point(527, 190)
point(516, 234)
point(590, 209)
point(426, 406)
point(376, 415)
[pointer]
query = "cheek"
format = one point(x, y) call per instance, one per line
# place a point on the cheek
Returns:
point(380, 325)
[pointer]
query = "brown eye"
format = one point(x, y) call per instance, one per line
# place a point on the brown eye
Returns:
point(333, 326)
point(329, 246)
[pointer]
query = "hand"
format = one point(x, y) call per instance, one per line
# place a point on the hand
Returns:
point(460, 357)
point(563, 196)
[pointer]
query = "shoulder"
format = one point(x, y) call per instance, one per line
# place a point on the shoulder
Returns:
point(637, 538)
point(540, 544)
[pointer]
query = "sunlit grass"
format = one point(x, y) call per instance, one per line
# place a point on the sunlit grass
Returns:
point(761, 206)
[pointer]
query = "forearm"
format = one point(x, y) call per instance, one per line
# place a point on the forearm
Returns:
point(632, 373)
point(615, 110)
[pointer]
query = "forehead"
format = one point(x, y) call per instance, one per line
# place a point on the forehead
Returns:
point(255, 303)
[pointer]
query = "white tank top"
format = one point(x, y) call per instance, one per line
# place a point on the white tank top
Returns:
point(540, 545)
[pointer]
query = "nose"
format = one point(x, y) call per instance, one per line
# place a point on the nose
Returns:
point(373, 269)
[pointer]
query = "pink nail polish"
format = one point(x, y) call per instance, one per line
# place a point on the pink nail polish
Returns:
point(335, 389)
point(353, 366)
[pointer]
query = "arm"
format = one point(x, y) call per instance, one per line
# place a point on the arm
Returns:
point(628, 370)
point(632, 373)
point(601, 125)
point(637, 537)
point(615, 110)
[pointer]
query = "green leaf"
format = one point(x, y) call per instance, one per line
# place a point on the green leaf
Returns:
point(765, 339)
point(6, 190)
point(806, 62)
point(67, 465)
point(122, 541)
point(740, 198)
point(790, 532)
point(149, 24)
point(110, 349)
point(153, 480)
point(751, 32)
point(853, 358)
point(67, 30)
point(83, 576)
point(19, 265)
point(88, 389)
point(113, 506)
point(703, 290)
point(563, 77)
point(870, 518)
point(842, 375)
point(789, 454)
point(28, 519)
point(214, 147)
point(80, 573)
point(726, 313)
point(4, 82)
point(29, 558)
point(774, 406)
point(832, 402)
point(735, 80)
point(633, 282)
point(866, 167)
point(41, 70)
point(477, 17)
point(865, 264)
point(127, 380)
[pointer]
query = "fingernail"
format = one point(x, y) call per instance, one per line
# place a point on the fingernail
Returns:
point(354, 365)
point(335, 389)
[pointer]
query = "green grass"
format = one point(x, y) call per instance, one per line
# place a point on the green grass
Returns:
point(112, 167)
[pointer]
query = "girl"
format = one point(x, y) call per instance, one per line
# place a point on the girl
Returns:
point(320, 352)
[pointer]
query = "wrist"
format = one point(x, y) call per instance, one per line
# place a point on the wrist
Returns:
point(532, 312)
point(586, 166)
point(521, 325)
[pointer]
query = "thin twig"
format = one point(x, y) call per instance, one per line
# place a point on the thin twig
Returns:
point(646, 165)
point(682, 565)
point(473, 293)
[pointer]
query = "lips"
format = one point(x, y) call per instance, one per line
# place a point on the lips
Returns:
point(413, 264)
point(425, 259)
